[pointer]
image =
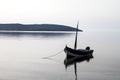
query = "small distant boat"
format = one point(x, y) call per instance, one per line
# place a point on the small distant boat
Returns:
point(77, 52)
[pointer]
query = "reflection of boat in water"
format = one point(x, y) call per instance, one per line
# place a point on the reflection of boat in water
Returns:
point(74, 60)
point(71, 60)
point(77, 52)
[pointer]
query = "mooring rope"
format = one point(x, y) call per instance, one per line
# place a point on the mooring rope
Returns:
point(53, 55)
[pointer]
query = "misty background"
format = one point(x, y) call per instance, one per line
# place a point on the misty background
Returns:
point(92, 14)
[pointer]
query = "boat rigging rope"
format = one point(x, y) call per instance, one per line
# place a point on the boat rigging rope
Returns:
point(53, 55)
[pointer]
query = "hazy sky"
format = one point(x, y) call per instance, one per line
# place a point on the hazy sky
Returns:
point(67, 12)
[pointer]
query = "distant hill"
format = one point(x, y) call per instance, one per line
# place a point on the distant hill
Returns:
point(36, 27)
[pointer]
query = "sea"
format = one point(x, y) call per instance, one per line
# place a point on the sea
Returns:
point(31, 55)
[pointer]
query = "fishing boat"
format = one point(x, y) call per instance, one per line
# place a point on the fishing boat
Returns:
point(77, 52)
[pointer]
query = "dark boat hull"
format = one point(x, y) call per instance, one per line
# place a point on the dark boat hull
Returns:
point(77, 53)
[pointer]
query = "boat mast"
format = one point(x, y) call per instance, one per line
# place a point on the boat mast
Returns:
point(75, 46)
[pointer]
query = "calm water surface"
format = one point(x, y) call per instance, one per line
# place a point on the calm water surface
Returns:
point(21, 56)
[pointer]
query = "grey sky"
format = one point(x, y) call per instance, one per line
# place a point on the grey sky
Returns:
point(88, 12)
